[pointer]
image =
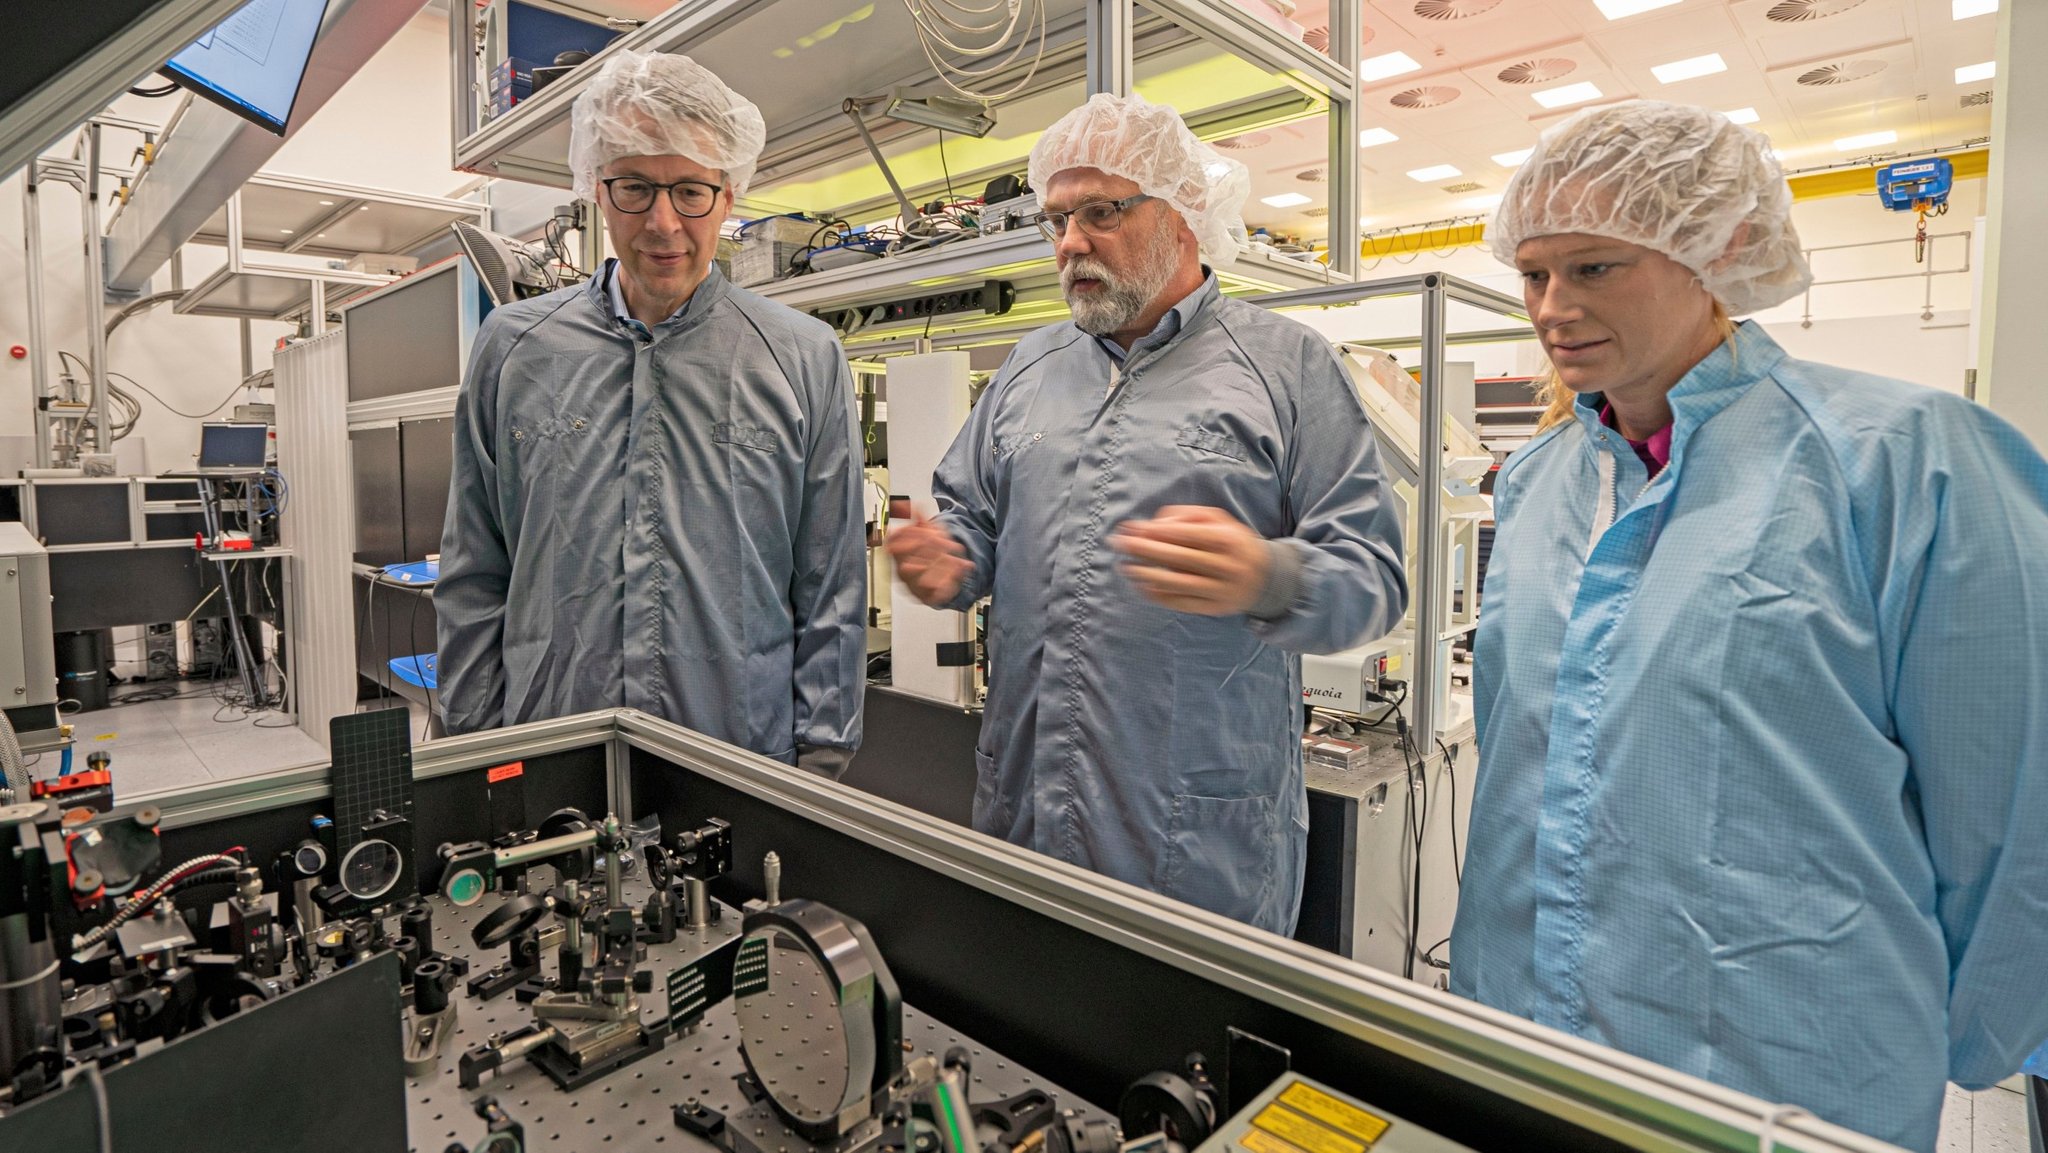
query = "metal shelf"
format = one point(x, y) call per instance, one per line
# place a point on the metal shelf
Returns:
point(310, 219)
point(1021, 256)
point(255, 291)
point(798, 77)
point(316, 218)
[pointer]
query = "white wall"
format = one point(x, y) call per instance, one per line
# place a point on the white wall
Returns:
point(2010, 355)
point(1933, 352)
point(388, 127)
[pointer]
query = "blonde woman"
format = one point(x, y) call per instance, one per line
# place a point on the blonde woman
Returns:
point(1763, 672)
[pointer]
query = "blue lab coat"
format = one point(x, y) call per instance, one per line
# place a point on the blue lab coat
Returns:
point(666, 520)
point(1158, 747)
point(1763, 767)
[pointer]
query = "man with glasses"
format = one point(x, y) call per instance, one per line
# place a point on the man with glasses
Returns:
point(656, 497)
point(1169, 498)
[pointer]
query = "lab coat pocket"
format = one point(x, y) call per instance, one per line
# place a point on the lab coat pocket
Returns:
point(991, 813)
point(1221, 852)
point(1773, 938)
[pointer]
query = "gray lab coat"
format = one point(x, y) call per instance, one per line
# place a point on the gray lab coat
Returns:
point(1158, 747)
point(672, 525)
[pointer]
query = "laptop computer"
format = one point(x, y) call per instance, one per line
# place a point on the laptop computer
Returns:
point(229, 449)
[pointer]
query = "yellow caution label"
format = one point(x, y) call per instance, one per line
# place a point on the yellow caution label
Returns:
point(1260, 1141)
point(108, 737)
point(1299, 1131)
point(1335, 1112)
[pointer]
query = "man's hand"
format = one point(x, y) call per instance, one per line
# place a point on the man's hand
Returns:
point(928, 559)
point(1195, 559)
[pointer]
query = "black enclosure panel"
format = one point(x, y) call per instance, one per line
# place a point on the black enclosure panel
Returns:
point(65, 31)
point(407, 340)
point(99, 590)
point(161, 491)
point(184, 526)
point(82, 513)
point(380, 519)
point(426, 450)
point(917, 754)
point(1330, 884)
point(921, 754)
point(321, 1064)
point(1050, 996)
point(10, 502)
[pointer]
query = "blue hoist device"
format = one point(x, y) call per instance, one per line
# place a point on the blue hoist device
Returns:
point(1920, 187)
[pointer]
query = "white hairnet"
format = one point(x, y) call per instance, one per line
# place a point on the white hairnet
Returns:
point(1685, 181)
point(661, 104)
point(1150, 145)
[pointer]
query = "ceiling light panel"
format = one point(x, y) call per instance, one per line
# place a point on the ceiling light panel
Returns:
point(1285, 200)
point(1622, 9)
point(1689, 69)
point(1433, 174)
point(1373, 137)
point(1977, 73)
point(1567, 94)
point(1386, 66)
point(1512, 159)
point(1742, 115)
point(1867, 140)
point(1964, 9)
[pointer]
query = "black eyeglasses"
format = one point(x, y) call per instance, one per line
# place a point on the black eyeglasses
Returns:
point(690, 198)
point(1096, 218)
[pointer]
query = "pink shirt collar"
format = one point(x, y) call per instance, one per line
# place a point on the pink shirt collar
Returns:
point(1655, 452)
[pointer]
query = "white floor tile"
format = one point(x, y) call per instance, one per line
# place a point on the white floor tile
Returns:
point(189, 740)
point(1956, 1117)
point(1999, 1122)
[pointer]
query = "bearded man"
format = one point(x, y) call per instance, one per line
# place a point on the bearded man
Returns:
point(1169, 498)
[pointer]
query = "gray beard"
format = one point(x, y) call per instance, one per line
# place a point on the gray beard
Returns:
point(1123, 298)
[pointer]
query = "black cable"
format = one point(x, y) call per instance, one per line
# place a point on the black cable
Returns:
point(1451, 767)
point(942, 165)
point(412, 642)
point(154, 93)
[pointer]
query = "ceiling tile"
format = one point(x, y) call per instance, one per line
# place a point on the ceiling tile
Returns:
point(1873, 23)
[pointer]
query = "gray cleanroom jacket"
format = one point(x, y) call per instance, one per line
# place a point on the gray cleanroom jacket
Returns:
point(668, 522)
point(1158, 747)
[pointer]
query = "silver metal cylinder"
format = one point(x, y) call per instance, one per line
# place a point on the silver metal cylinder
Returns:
point(614, 848)
point(698, 897)
point(771, 879)
point(96, 298)
point(30, 1012)
point(38, 324)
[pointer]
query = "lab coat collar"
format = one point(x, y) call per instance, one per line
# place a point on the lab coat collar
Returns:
point(1712, 385)
point(609, 299)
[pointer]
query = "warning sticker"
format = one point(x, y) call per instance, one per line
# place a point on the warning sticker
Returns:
point(1303, 1133)
point(1335, 1112)
point(506, 772)
point(1260, 1141)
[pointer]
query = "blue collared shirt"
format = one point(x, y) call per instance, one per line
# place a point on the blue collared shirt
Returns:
point(617, 296)
point(1169, 325)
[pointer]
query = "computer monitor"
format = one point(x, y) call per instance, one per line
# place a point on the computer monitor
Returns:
point(227, 445)
point(252, 62)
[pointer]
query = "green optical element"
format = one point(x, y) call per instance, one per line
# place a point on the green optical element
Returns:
point(466, 887)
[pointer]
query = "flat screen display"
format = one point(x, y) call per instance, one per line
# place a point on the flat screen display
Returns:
point(252, 62)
